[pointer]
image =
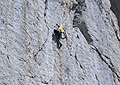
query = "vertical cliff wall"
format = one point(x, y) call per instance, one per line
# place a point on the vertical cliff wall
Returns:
point(28, 50)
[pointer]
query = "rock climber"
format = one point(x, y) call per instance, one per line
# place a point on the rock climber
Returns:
point(59, 32)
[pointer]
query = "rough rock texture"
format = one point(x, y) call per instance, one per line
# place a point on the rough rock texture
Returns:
point(28, 51)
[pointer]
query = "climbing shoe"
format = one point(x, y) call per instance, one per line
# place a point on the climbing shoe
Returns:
point(60, 45)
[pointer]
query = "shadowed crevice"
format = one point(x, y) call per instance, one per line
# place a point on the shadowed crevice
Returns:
point(83, 28)
point(40, 49)
point(97, 79)
point(78, 61)
point(116, 33)
point(115, 7)
point(78, 21)
point(107, 61)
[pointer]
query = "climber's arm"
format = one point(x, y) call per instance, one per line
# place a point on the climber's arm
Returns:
point(65, 35)
point(58, 25)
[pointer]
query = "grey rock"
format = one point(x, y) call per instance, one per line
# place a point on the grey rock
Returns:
point(28, 49)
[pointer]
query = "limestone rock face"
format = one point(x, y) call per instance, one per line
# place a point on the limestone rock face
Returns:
point(28, 49)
